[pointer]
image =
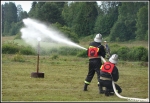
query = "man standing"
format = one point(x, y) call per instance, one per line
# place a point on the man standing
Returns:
point(107, 49)
point(94, 52)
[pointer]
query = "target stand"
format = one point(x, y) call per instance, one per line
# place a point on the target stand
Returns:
point(37, 74)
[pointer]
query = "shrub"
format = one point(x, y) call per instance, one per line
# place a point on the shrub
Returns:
point(18, 36)
point(63, 51)
point(27, 50)
point(141, 53)
point(53, 50)
point(114, 49)
point(10, 48)
point(82, 54)
point(133, 54)
point(54, 56)
point(18, 58)
point(68, 51)
point(13, 48)
point(123, 53)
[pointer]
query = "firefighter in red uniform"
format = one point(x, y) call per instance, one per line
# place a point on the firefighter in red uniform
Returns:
point(94, 52)
point(109, 72)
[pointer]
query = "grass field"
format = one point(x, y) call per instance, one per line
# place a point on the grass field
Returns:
point(64, 80)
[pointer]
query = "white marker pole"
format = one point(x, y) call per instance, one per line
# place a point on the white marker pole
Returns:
point(38, 52)
point(128, 98)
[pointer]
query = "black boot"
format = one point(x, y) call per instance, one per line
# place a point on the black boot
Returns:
point(111, 92)
point(101, 91)
point(85, 87)
point(107, 92)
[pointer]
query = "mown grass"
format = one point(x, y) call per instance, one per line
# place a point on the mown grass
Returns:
point(64, 79)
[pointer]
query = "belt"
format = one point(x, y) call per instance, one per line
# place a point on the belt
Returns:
point(93, 57)
point(104, 78)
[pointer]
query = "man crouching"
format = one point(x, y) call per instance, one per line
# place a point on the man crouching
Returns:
point(109, 72)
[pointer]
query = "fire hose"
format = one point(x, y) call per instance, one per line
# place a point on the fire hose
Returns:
point(128, 98)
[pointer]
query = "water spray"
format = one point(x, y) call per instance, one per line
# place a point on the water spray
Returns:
point(128, 98)
point(34, 28)
point(37, 74)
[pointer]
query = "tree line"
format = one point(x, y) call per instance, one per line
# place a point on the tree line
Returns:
point(118, 21)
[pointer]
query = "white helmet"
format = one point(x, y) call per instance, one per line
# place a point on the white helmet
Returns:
point(98, 38)
point(114, 58)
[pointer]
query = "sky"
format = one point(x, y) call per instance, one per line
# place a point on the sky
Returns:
point(26, 5)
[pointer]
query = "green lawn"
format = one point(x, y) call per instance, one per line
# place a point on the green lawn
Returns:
point(64, 78)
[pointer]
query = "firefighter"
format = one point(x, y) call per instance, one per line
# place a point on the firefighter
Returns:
point(107, 49)
point(94, 51)
point(109, 72)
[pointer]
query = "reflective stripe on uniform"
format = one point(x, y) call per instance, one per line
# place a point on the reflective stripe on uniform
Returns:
point(93, 57)
point(86, 82)
point(104, 78)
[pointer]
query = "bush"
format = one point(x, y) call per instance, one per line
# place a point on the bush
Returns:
point(10, 48)
point(53, 50)
point(18, 36)
point(13, 48)
point(123, 53)
point(18, 58)
point(27, 51)
point(54, 57)
point(132, 54)
point(141, 53)
point(68, 51)
point(82, 54)
point(114, 49)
